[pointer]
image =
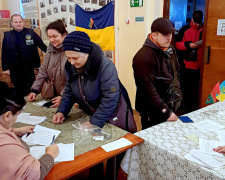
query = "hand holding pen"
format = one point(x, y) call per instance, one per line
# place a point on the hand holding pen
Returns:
point(53, 149)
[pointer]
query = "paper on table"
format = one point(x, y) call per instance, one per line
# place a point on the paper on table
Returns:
point(22, 116)
point(33, 120)
point(207, 126)
point(66, 152)
point(208, 159)
point(41, 135)
point(221, 135)
point(207, 146)
point(40, 103)
point(116, 144)
point(193, 137)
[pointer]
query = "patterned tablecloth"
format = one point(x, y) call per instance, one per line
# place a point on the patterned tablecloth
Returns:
point(83, 141)
point(161, 156)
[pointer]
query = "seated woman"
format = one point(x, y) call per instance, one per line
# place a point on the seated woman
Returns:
point(91, 81)
point(16, 162)
point(52, 68)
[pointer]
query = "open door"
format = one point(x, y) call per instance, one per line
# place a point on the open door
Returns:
point(213, 67)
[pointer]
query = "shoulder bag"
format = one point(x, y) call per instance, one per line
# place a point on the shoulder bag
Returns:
point(122, 116)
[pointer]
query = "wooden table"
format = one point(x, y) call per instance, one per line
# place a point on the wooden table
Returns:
point(86, 160)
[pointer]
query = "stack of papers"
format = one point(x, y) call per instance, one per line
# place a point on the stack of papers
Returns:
point(41, 136)
point(40, 103)
point(66, 152)
point(28, 119)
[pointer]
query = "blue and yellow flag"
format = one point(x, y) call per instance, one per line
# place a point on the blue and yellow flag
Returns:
point(99, 25)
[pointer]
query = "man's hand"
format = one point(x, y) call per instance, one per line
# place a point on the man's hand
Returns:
point(32, 96)
point(193, 45)
point(172, 117)
point(23, 130)
point(56, 101)
point(58, 118)
point(6, 72)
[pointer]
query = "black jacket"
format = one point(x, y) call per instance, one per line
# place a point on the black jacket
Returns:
point(100, 86)
point(23, 55)
point(153, 76)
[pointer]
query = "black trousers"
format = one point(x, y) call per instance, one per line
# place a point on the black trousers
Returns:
point(149, 121)
point(22, 80)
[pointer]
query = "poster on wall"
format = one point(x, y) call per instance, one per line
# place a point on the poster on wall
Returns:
point(51, 10)
point(221, 27)
point(30, 11)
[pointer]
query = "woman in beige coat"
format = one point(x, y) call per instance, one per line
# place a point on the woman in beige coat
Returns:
point(52, 68)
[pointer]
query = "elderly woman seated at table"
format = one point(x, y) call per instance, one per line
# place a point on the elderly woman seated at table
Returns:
point(92, 81)
point(16, 162)
point(52, 68)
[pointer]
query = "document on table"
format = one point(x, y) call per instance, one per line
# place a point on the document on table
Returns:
point(206, 146)
point(208, 159)
point(206, 126)
point(221, 135)
point(22, 116)
point(41, 135)
point(116, 144)
point(40, 103)
point(193, 137)
point(66, 152)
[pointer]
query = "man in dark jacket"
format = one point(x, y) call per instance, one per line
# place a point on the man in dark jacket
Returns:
point(20, 55)
point(156, 75)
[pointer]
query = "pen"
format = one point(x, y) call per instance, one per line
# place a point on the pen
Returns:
point(53, 139)
point(28, 134)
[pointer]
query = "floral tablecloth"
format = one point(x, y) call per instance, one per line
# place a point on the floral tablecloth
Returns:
point(161, 156)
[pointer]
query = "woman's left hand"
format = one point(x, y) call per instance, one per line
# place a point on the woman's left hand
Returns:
point(56, 101)
point(23, 130)
point(219, 149)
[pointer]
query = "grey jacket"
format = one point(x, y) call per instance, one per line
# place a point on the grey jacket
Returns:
point(46, 71)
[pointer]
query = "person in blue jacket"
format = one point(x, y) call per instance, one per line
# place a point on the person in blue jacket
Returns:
point(99, 84)
point(20, 55)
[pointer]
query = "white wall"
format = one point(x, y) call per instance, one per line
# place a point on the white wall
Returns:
point(131, 37)
point(12, 5)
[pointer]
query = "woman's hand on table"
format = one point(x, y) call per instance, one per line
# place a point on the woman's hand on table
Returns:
point(23, 130)
point(58, 118)
point(56, 101)
point(52, 150)
point(86, 125)
point(172, 117)
point(219, 149)
point(32, 97)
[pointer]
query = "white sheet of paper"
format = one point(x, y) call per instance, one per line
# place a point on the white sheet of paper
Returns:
point(41, 135)
point(206, 126)
point(221, 135)
point(116, 144)
point(40, 103)
point(33, 120)
point(207, 159)
point(207, 146)
point(22, 116)
point(66, 152)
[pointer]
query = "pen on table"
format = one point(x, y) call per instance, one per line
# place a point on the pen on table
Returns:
point(53, 139)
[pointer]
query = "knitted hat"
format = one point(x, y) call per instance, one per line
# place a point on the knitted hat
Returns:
point(77, 41)
point(163, 26)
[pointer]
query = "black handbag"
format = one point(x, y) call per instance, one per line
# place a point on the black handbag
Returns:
point(122, 116)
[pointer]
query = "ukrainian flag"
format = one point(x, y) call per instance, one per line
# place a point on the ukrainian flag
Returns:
point(99, 25)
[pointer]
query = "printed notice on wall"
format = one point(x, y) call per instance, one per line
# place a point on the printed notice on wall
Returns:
point(221, 27)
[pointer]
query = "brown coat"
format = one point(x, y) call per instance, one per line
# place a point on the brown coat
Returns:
point(47, 70)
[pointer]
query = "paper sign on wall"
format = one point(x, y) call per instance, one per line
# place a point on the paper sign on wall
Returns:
point(221, 27)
